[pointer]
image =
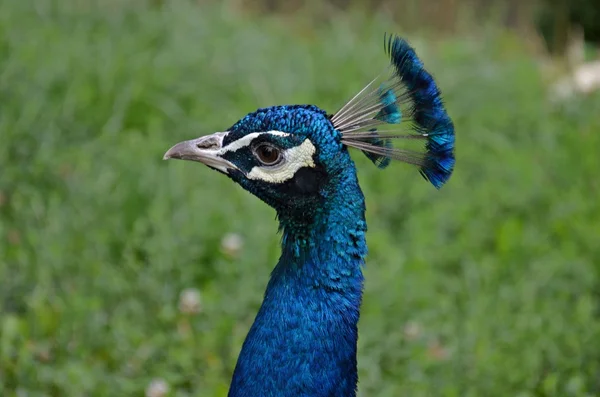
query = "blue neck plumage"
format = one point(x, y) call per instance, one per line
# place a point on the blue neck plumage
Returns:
point(304, 337)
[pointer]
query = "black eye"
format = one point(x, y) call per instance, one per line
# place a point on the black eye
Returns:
point(267, 154)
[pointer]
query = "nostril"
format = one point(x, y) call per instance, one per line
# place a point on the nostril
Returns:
point(210, 143)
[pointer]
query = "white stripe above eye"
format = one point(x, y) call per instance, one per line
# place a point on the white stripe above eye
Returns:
point(294, 158)
point(247, 140)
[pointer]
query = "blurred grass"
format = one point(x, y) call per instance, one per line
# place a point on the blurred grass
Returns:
point(486, 288)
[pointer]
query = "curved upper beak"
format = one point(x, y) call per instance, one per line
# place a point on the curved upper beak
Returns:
point(206, 150)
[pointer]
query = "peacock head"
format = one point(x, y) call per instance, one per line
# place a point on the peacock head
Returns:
point(293, 156)
point(288, 156)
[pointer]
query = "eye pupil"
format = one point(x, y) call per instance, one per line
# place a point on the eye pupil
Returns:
point(268, 154)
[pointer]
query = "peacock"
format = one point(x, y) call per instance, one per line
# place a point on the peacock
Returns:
point(295, 158)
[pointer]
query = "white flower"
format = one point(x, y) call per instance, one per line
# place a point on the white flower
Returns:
point(412, 330)
point(232, 244)
point(190, 301)
point(157, 388)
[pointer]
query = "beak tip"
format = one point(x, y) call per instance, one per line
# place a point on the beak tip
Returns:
point(172, 153)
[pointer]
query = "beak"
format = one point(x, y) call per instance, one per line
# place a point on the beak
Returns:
point(206, 150)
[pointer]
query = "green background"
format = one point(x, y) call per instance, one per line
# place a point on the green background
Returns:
point(488, 287)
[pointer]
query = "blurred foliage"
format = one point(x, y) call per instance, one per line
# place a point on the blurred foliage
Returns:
point(559, 20)
point(488, 287)
point(552, 19)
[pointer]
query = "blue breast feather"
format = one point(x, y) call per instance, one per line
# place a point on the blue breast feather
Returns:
point(303, 341)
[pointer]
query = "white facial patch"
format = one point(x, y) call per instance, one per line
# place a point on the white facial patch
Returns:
point(247, 140)
point(294, 159)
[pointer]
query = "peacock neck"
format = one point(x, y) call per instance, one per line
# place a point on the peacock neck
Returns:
point(303, 340)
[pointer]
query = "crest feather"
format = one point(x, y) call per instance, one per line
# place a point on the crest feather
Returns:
point(409, 102)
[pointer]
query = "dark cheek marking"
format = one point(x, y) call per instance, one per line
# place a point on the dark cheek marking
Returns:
point(308, 180)
point(242, 158)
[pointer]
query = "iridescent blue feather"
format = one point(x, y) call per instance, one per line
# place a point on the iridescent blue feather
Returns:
point(378, 160)
point(390, 113)
point(409, 95)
